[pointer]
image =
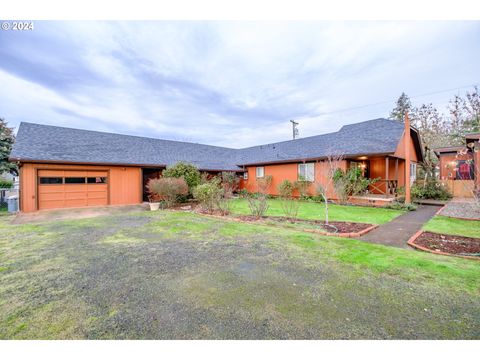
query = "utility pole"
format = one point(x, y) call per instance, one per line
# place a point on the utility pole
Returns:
point(294, 129)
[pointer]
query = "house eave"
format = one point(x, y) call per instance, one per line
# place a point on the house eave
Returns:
point(93, 163)
point(289, 161)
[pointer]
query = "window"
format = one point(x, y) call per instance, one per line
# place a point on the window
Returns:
point(51, 180)
point(413, 172)
point(362, 165)
point(260, 172)
point(97, 180)
point(464, 170)
point(306, 172)
point(245, 175)
point(74, 180)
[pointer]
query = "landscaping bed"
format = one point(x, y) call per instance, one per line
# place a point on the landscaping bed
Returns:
point(448, 244)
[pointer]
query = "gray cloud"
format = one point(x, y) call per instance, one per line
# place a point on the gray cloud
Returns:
point(213, 82)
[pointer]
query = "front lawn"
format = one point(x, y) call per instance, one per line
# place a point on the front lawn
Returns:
point(179, 275)
point(447, 225)
point(316, 211)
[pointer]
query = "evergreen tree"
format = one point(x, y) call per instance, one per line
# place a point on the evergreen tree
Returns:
point(402, 106)
point(7, 138)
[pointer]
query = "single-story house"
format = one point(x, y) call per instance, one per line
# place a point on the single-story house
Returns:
point(63, 167)
point(459, 166)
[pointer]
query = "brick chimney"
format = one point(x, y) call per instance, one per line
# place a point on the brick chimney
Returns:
point(407, 141)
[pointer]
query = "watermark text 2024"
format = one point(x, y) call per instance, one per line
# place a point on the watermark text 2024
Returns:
point(17, 25)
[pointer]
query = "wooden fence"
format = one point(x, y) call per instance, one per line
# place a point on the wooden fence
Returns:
point(459, 188)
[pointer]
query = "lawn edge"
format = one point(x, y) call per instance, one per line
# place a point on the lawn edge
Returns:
point(411, 242)
point(319, 232)
point(456, 217)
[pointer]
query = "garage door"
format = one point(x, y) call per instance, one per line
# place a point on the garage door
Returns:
point(67, 188)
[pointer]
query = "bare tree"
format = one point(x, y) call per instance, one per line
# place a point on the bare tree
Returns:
point(472, 108)
point(434, 130)
point(464, 116)
point(457, 124)
point(331, 163)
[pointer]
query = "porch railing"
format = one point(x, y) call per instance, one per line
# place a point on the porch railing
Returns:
point(390, 188)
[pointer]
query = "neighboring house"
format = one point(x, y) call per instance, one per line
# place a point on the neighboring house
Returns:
point(459, 166)
point(63, 167)
point(14, 179)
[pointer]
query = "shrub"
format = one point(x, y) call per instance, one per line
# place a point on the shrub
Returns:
point(5, 184)
point(243, 193)
point(258, 205)
point(230, 183)
point(264, 183)
point(209, 195)
point(167, 189)
point(204, 177)
point(289, 205)
point(431, 189)
point(350, 183)
point(258, 202)
point(302, 186)
point(285, 189)
point(397, 205)
point(183, 170)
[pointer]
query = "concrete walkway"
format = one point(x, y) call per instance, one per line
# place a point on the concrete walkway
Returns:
point(398, 231)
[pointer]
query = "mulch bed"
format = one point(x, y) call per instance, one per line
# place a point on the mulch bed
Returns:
point(342, 227)
point(451, 244)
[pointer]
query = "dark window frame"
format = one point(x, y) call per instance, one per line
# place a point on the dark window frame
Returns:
point(103, 182)
point(50, 177)
point(74, 177)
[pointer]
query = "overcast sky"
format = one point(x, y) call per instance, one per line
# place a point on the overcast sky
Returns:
point(228, 83)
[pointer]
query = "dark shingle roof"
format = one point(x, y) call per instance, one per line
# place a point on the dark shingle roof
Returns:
point(378, 136)
point(53, 143)
point(58, 144)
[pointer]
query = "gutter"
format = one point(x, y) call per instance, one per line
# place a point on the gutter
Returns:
point(20, 160)
point(287, 161)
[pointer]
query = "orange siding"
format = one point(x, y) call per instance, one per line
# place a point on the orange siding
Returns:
point(124, 183)
point(280, 172)
point(377, 170)
point(400, 152)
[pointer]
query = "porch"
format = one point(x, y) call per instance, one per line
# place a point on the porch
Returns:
point(372, 199)
point(389, 173)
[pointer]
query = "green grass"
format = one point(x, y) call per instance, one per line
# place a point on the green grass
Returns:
point(140, 275)
point(316, 211)
point(452, 272)
point(447, 225)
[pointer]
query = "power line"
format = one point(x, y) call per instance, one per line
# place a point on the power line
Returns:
point(392, 101)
